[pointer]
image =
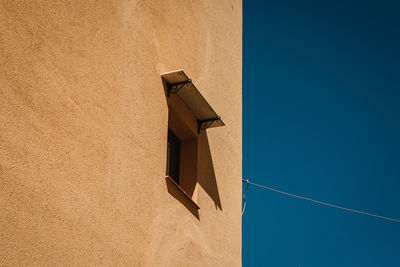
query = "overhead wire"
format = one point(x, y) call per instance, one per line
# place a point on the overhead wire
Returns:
point(319, 202)
point(244, 198)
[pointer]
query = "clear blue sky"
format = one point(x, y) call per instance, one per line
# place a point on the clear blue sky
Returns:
point(321, 88)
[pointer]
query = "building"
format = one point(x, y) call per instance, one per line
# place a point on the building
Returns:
point(86, 101)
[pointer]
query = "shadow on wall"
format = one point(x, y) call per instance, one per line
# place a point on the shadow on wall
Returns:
point(205, 170)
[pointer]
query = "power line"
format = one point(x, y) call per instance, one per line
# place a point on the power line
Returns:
point(320, 202)
point(244, 198)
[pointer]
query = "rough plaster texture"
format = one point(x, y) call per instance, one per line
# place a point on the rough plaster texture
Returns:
point(83, 130)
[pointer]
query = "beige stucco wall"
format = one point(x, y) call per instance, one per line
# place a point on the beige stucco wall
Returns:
point(83, 130)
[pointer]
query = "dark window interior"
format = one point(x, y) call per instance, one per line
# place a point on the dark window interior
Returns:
point(173, 156)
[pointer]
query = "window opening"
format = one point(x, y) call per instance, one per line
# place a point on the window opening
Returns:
point(189, 113)
point(173, 156)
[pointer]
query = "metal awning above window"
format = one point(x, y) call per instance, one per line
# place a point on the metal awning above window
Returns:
point(178, 83)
